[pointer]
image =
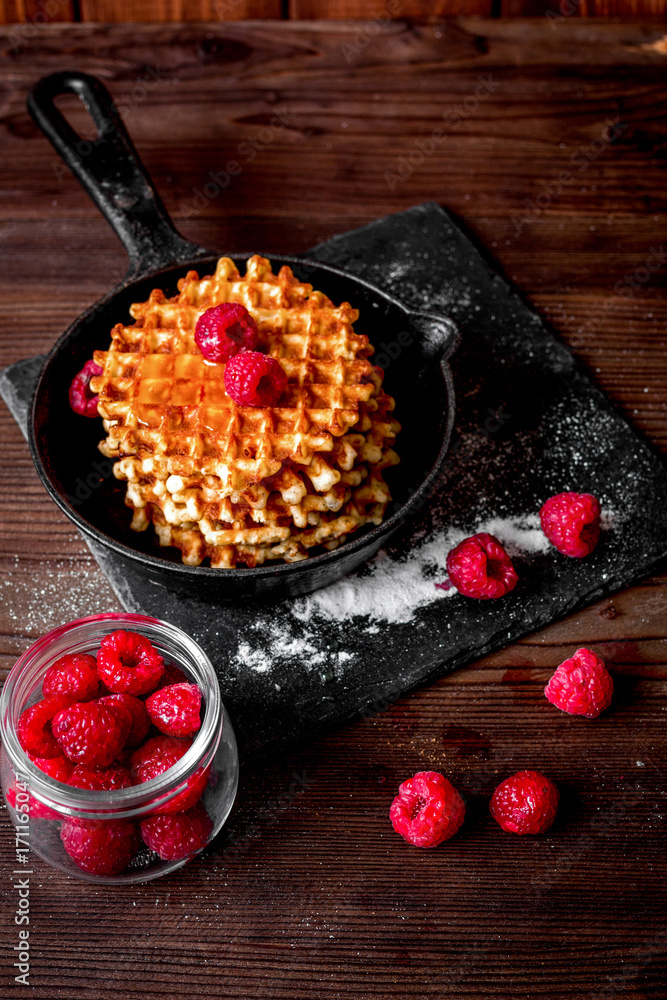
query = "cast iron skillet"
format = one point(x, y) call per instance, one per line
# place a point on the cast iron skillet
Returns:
point(64, 445)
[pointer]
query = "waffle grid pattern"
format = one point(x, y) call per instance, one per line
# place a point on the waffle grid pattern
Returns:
point(234, 483)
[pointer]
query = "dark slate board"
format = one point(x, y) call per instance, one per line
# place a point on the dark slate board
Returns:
point(528, 425)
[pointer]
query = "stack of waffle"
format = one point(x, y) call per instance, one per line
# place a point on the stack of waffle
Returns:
point(242, 484)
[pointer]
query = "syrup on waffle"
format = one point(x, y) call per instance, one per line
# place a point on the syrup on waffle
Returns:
point(242, 484)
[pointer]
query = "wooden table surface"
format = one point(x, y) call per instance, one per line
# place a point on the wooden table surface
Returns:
point(319, 897)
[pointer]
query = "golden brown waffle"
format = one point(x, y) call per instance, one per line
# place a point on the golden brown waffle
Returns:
point(238, 483)
point(191, 498)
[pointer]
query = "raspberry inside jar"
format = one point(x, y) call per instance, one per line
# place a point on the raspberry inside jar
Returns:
point(89, 796)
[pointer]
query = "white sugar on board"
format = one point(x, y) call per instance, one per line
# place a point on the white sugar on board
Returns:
point(392, 590)
point(283, 643)
point(387, 590)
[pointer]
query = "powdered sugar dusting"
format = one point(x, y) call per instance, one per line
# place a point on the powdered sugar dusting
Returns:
point(45, 596)
point(288, 642)
point(390, 589)
point(393, 589)
point(256, 659)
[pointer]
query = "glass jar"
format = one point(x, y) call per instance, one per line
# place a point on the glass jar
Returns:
point(38, 804)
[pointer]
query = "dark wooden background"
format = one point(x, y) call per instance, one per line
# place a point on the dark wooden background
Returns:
point(44, 11)
point(314, 895)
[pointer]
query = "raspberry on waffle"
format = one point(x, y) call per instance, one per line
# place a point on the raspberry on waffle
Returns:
point(234, 483)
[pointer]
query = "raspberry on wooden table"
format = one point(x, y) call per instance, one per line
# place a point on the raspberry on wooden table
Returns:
point(128, 663)
point(177, 835)
point(427, 809)
point(90, 733)
point(99, 779)
point(137, 710)
point(525, 803)
point(35, 730)
point(254, 379)
point(74, 674)
point(81, 398)
point(571, 522)
point(225, 330)
point(581, 685)
point(155, 757)
point(479, 567)
point(175, 710)
point(100, 847)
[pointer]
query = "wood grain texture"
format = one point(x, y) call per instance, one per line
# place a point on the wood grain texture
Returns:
point(322, 899)
point(36, 12)
point(114, 11)
point(130, 11)
point(378, 11)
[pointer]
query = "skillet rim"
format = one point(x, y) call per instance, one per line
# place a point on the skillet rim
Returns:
point(380, 533)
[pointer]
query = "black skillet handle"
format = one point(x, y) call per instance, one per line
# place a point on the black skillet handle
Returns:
point(110, 170)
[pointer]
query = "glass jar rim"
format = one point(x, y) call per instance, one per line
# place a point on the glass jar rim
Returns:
point(119, 803)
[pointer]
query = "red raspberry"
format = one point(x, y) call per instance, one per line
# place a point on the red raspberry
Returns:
point(179, 834)
point(571, 522)
point(100, 847)
point(33, 807)
point(75, 675)
point(155, 757)
point(81, 398)
point(225, 330)
point(172, 675)
point(57, 767)
point(480, 567)
point(127, 662)
point(253, 379)
point(427, 809)
point(35, 731)
point(139, 716)
point(100, 779)
point(175, 709)
point(525, 803)
point(90, 733)
point(581, 685)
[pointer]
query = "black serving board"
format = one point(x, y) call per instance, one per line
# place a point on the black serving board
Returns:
point(528, 424)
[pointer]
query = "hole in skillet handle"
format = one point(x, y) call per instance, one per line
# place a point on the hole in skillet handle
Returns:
point(110, 170)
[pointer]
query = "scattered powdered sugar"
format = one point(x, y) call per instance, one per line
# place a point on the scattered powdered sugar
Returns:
point(45, 595)
point(256, 659)
point(287, 642)
point(393, 590)
point(518, 536)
